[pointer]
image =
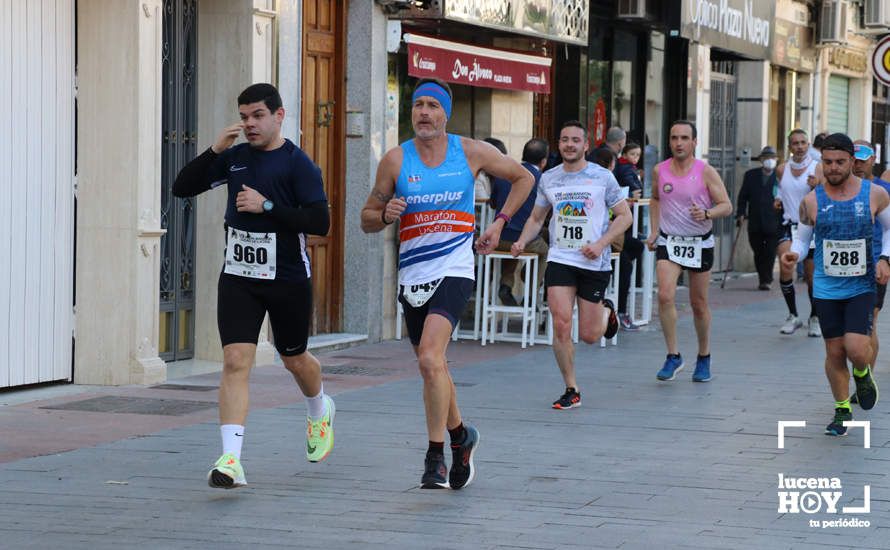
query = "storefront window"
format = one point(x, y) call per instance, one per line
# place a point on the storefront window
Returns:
point(582, 91)
point(838, 103)
point(654, 110)
point(784, 108)
point(598, 83)
point(623, 83)
point(597, 98)
point(776, 130)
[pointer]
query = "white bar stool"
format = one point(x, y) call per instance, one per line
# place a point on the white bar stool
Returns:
point(647, 264)
point(611, 293)
point(526, 309)
point(399, 319)
point(484, 217)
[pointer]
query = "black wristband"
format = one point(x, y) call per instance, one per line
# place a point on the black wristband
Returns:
point(885, 258)
point(383, 218)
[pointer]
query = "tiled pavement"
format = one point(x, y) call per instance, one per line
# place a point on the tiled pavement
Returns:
point(642, 464)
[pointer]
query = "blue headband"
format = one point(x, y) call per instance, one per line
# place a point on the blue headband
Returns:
point(436, 92)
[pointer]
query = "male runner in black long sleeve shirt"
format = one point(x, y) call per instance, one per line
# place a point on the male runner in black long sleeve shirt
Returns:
point(276, 197)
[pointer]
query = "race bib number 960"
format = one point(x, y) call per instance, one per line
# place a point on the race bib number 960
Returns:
point(250, 254)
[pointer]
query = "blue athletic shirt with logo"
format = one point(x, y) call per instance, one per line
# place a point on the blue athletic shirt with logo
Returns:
point(878, 239)
point(285, 176)
point(436, 229)
point(843, 221)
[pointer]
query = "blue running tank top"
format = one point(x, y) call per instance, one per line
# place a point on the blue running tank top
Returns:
point(878, 239)
point(844, 233)
point(436, 229)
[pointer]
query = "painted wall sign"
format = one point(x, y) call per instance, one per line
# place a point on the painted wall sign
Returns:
point(741, 26)
point(477, 66)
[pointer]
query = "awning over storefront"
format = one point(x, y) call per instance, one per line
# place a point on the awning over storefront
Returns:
point(476, 66)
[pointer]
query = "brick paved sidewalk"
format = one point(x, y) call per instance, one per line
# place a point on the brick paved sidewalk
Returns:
point(641, 464)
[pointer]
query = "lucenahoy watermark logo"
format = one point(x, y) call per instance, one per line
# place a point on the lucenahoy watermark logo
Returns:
point(813, 495)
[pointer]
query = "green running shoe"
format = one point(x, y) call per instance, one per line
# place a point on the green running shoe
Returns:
point(227, 473)
point(866, 390)
point(320, 434)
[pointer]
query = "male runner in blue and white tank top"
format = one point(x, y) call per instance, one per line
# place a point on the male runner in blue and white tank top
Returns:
point(842, 214)
point(427, 184)
point(276, 198)
point(797, 177)
point(580, 194)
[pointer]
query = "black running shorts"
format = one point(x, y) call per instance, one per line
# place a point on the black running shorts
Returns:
point(449, 300)
point(707, 258)
point(242, 304)
point(851, 315)
point(880, 291)
point(591, 284)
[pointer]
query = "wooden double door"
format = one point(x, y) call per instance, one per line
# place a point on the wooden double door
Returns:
point(323, 127)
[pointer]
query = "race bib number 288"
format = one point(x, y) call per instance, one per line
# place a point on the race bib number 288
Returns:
point(844, 258)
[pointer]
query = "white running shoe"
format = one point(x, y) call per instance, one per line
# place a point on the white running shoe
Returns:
point(814, 329)
point(792, 323)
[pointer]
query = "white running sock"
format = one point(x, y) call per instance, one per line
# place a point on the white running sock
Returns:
point(232, 437)
point(316, 406)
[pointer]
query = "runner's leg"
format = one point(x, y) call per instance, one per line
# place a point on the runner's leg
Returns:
point(439, 396)
point(561, 300)
point(698, 298)
point(667, 273)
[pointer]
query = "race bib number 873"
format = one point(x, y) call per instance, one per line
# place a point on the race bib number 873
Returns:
point(685, 251)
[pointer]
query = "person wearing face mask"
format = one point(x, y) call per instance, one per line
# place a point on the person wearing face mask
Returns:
point(756, 207)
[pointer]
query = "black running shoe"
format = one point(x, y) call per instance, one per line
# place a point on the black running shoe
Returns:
point(613, 324)
point(463, 471)
point(569, 400)
point(837, 425)
point(434, 472)
point(866, 391)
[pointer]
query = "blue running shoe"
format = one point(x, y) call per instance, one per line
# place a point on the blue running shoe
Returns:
point(672, 365)
point(702, 369)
